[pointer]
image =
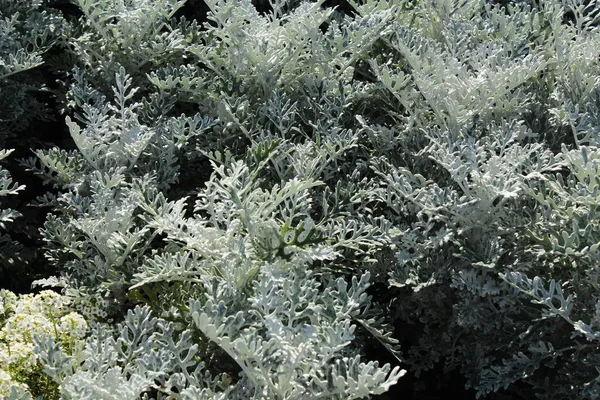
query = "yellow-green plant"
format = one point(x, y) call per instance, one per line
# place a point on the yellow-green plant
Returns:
point(22, 319)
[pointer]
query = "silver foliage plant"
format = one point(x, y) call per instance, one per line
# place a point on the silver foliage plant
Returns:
point(238, 305)
point(138, 35)
point(494, 188)
point(240, 275)
point(28, 29)
point(447, 149)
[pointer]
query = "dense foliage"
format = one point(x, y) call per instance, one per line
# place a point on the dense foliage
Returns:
point(269, 200)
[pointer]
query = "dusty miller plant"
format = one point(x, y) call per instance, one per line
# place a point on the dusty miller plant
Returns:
point(491, 185)
point(103, 229)
point(445, 149)
point(28, 29)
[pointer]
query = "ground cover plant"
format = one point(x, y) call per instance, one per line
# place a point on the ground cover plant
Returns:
point(303, 199)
